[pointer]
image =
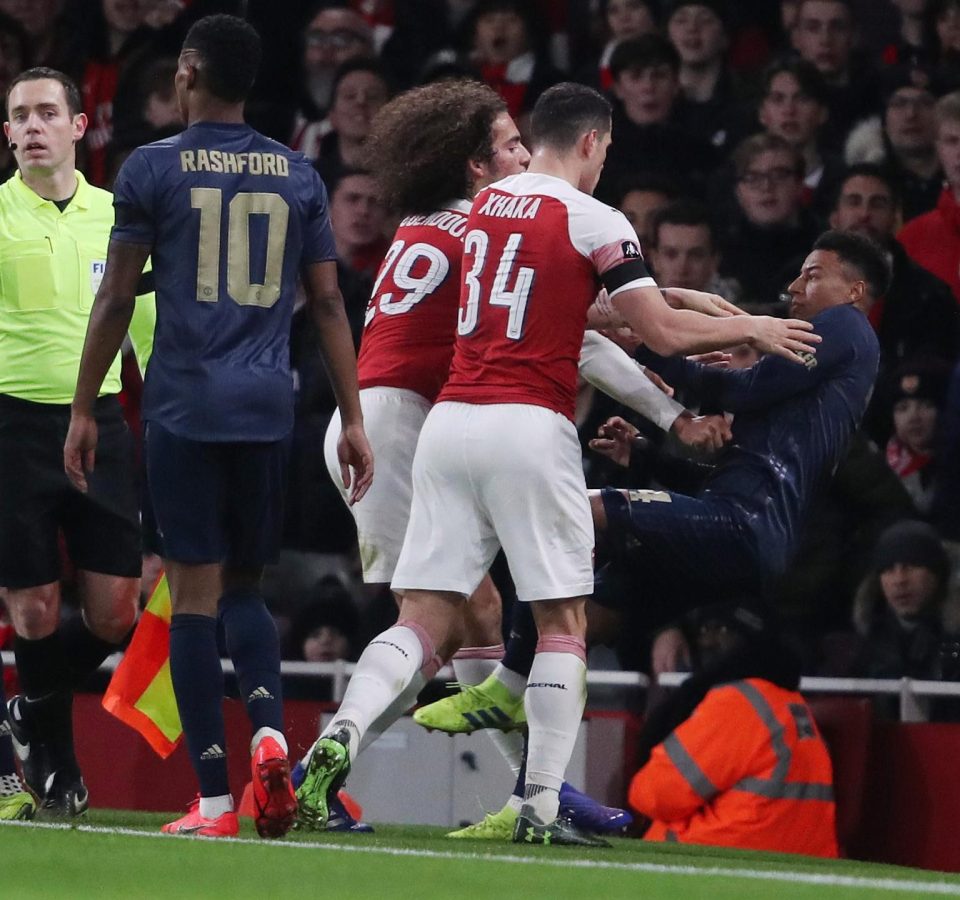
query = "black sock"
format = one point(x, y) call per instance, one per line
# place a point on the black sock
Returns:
point(42, 666)
point(82, 649)
point(7, 765)
point(198, 684)
point(522, 643)
point(254, 646)
point(47, 702)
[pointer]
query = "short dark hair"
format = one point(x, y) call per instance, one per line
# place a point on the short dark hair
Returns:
point(685, 211)
point(229, 48)
point(647, 182)
point(870, 170)
point(846, 4)
point(565, 112)
point(644, 52)
point(41, 73)
point(361, 64)
point(805, 73)
point(862, 254)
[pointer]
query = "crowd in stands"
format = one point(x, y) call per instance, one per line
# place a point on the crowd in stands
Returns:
point(742, 130)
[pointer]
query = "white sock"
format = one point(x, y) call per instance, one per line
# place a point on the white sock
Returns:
point(214, 807)
point(394, 711)
point(385, 669)
point(472, 670)
point(554, 701)
point(512, 681)
point(261, 733)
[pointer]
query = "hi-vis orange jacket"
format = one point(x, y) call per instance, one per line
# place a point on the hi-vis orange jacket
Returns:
point(748, 769)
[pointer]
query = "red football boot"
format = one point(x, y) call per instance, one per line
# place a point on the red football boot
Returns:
point(226, 825)
point(274, 801)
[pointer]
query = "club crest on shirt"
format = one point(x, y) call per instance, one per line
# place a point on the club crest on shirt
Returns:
point(97, 268)
point(809, 360)
point(631, 250)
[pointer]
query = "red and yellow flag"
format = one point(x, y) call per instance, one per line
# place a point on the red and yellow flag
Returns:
point(141, 692)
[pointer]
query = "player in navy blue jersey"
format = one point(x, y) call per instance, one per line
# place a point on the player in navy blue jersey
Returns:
point(791, 425)
point(232, 220)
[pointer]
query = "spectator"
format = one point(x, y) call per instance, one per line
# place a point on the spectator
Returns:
point(327, 628)
point(943, 24)
point(357, 216)
point(503, 46)
point(945, 512)
point(13, 60)
point(916, 395)
point(910, 127)
point(823, 34)
point(46, 30)
point(333, 36)
point(698, 31)
point(912, 44)
point(904, 139)
point(646, 136)
point(113, 42)
point(683, 249)
point(639, 198)
point(360, 88)
point(144, 111)
point(933, 239)
point(918, 315)
point(734, 757)
point(769, 227)
point(904, 616)
point(794, 107)
point(623, 20)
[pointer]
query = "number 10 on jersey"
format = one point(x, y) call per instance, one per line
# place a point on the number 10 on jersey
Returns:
point(477, 243)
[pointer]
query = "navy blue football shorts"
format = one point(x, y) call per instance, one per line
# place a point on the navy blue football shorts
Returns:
point(671, 553)
point(214, 502)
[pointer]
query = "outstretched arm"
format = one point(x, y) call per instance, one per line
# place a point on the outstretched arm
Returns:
point(109, 321)
point(669, 331)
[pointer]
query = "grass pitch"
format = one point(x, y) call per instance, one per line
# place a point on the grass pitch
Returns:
point(122, 855)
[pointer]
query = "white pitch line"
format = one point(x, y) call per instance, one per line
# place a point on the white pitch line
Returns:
point(856, 882)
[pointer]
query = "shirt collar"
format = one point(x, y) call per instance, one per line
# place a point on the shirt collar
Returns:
point(81, 199)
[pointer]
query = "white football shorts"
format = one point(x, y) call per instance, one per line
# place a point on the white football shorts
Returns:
point(392, 419)
point(486, 476)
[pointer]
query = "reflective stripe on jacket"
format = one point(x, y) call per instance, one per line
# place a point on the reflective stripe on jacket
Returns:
point(748, 769)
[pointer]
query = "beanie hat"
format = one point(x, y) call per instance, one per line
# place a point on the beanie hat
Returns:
point(914, 544)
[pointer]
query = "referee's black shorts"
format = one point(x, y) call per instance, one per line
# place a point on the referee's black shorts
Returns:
point(37, 501)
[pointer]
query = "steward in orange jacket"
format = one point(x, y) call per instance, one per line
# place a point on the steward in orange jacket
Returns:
point(747, 766)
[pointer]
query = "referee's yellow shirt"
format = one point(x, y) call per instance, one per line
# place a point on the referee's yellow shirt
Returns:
point(51, 264)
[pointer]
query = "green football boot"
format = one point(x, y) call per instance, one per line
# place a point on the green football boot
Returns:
point(486, 705)
point(18, 806)
point(560, 832)
point(326, 771)
point(492, 827)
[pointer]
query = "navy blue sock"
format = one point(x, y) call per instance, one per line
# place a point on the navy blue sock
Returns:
point(198, 684)
point(7, 765)
point(522, 774)
point(254, 646)
point(522, 643)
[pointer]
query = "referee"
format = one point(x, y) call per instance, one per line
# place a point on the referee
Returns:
point(54, 231)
